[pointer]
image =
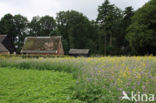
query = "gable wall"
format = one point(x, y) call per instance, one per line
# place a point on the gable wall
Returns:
point(60, 48)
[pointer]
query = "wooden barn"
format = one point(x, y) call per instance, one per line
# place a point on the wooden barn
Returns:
point(5, 45)
point(79, 52)
point(43, 45)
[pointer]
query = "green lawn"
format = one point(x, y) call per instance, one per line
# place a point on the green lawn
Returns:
point(35, 86)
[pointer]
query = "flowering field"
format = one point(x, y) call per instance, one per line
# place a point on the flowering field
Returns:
point(98, 79)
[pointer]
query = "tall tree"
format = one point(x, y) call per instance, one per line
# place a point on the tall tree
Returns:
point(7, 27)
point(47, 24)
point(142, 32)
point(21, 30)
point(128, 13)
point(42, 26)
point(109, 18)
point(34, 26)
point(75, 29)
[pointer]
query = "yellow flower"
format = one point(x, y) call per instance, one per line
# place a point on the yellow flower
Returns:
point(144, 65)
point(138, 76)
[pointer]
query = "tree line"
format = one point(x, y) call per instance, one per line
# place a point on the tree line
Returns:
point(114, 32)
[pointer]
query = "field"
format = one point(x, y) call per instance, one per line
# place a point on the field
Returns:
point(34, 86)
point(75, 80)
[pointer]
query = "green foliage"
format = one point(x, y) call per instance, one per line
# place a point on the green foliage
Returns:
point(122, 42)
point(76, 30)
point(39, 65)
point(34, 86)
point(47, 24)
point(98, 80)
point(109, 18)
point(34, 26)
point(42, 26)
point(102, 80)
point(128, 13)
point(7, 27)
point(20, 23)
point(16, 29)
point(55, 32)
point(141, 32)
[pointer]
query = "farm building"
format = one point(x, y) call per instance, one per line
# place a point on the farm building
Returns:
point(5, 45)
point(79, 52)
point(43, 45)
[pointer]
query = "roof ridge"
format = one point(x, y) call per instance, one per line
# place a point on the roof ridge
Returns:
point(44, 37)
point(3, 35)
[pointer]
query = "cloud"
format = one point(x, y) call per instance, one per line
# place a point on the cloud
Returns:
point(30, 8)
point(124, 3)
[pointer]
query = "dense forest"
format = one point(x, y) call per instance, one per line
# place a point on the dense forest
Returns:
point(114, 32)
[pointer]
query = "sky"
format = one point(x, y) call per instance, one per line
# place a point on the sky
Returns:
point(30, 8)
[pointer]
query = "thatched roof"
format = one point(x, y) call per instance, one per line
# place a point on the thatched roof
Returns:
point(41, 44)
point(79, 51)
point(2, 47)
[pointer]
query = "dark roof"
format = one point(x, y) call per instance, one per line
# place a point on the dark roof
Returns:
point(78, 51)
point(2, 47)
point(2, 37)
point(41, 44)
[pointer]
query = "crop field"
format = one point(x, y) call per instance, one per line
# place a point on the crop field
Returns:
point(75, 80)
point(34, 86)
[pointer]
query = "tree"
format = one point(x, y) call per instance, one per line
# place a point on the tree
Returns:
point(128, 13)
point(62, 20)
point(109, 19)
point(94, 37)
point(75, 29)
point(34, 26)
point(16, 29)
point(142, 33)
point(43, 26)
point(21, 30)
point(7, 27)
point(47, 24)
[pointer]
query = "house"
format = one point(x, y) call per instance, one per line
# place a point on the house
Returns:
point(6, 47)
point(79, 52)
point(43, 45)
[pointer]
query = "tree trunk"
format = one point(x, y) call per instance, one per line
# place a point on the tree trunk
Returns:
point(105, 45)
point(110, 43)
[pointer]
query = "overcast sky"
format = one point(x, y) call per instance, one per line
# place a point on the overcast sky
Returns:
point(30, 8)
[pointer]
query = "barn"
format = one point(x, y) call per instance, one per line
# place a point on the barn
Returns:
point(43, 45)
point(6, 47)
point(79, 52)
